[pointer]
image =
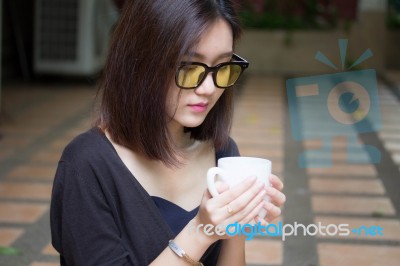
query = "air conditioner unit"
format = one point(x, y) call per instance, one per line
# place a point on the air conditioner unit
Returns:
point(71, 36)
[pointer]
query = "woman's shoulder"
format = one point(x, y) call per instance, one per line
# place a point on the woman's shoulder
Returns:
point(85, 146)
point(229, 149)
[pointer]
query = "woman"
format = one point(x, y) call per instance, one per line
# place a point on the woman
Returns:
point(130, 190)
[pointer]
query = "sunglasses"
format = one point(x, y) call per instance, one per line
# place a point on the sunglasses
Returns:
point(190, 75)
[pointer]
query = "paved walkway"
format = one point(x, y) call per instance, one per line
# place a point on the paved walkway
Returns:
point(39, 121)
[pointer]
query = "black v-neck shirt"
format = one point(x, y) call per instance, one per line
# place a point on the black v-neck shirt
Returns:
point(175, 216)
point(101, 215)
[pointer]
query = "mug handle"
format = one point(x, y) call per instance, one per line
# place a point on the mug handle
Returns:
point(211, 174)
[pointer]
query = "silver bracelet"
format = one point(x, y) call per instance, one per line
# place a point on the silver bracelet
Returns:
point(182, 254)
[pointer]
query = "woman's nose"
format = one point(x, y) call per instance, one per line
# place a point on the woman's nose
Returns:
point(207, 87)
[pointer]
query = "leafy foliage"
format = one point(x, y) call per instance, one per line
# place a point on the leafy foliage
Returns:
point(288, 14)
point(393, 18)
point(9, 251)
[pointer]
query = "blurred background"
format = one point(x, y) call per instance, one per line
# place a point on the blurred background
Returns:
point(53, 51)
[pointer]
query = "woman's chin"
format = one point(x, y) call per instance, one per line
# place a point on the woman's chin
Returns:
point(192, 123)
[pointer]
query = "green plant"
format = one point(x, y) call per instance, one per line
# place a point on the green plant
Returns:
point(9, 251)
point(393, 17)
point(287, 14)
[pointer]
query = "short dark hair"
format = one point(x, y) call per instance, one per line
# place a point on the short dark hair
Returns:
point(149, 42)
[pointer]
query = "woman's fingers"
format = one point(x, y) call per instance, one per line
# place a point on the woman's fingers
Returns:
point(235, 203)
point(221, 207)
point(236, 191)
point(221, 186)
point(276, 197)
point(253, 213)
point(272, 211)
point(276, 182)
point(242, 202)
point(262, 221)
point(254, 206)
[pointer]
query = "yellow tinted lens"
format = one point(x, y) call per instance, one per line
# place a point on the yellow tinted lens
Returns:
point(189, 76)
point(228, 75)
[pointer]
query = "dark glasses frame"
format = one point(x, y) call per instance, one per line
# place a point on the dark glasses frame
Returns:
point(237, 60)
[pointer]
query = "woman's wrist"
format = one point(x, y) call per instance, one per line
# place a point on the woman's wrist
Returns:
point(191, 243)
point(196, 228)
point(182, 254)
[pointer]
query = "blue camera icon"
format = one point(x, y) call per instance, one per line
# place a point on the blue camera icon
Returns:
point(343, 104)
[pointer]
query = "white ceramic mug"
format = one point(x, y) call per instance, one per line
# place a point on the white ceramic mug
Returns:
point(233, 170)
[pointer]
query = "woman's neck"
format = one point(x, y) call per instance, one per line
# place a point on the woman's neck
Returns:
point(181, 140)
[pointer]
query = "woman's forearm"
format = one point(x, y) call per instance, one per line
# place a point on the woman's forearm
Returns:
point(193, 243)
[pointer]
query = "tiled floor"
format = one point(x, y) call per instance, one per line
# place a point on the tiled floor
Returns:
point(38, 121)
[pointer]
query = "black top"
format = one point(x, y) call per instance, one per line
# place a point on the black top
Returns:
point(101, 215)
point(175, 216)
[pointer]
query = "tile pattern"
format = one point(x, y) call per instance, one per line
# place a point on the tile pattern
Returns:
point(353, 254)
point(9, 235)
point(354, 195)
point(35, 119)
point(390, 133)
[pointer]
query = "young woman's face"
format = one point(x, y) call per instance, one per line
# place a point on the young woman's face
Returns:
point(189, 107)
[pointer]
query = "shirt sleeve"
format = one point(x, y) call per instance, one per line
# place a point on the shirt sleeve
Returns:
point(83, 229)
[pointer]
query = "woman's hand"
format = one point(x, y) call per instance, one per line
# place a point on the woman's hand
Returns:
point(241, 204)
point(277, 199)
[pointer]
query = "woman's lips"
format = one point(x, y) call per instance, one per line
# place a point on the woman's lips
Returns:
point(198, 107)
